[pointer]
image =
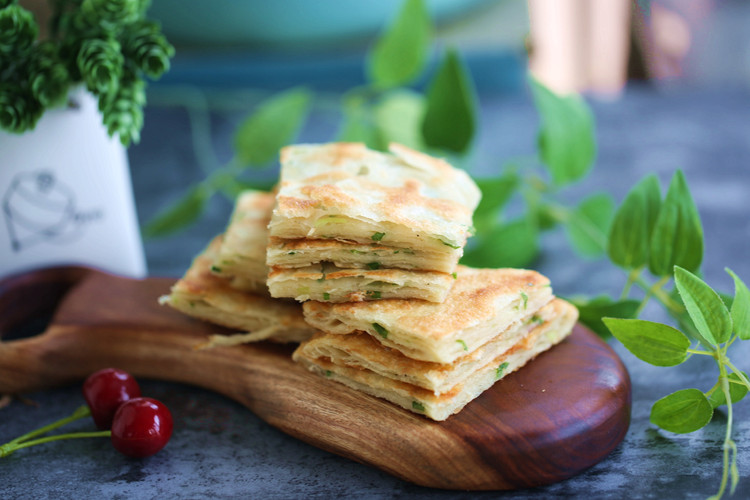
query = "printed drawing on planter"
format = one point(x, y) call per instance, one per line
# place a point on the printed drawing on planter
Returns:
point(39, 208)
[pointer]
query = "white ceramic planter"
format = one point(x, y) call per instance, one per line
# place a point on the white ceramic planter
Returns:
point(66, 196)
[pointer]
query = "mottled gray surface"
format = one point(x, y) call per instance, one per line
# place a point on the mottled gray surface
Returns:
point(221, 450)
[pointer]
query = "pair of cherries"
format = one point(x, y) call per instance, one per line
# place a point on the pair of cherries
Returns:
point(137, 426)
point(140, 426)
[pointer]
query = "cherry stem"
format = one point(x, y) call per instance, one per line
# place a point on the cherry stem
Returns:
point(80, 412)
point(26, 440)
point(9, 448)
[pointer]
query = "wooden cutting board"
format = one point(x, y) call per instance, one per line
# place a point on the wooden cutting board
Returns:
point(559, 415)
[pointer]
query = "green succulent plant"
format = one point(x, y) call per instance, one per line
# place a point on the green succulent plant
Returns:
point(107, 45)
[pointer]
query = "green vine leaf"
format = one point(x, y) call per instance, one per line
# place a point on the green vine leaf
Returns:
point(737, 391)
point(398, 117)
point(740, 307)
point(450, 119)
point(708, 312)
point(633, 223)
point(232, 187)
point(400, 55)
point(181, 214)
point(649, 188)
point(588, 225)
point(684, 322)
point(654, 343)
point(628, 238)
point(546, 214)
point(494, 251)
point(358, 126)
point(274, 124)
point(566, 136)
point(682, 412)
point(591, 312)
point(496, 192)
point(677, 237)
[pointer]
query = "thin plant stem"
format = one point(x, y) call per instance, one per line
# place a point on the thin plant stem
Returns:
point(708, 393)
point(660, 294)
point(728, 434)
point(633, 275)
point(9, 448)
point(652, 291)
point(523, 161)
point(80, 412)
point(199, 118)
point(700, 351)
point(739, 373)
point(594, 232)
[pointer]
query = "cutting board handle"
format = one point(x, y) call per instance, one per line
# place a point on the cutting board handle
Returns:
point(35, 294)
point(26, 297)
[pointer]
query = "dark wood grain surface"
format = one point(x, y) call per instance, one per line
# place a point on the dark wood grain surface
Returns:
point(559, 415)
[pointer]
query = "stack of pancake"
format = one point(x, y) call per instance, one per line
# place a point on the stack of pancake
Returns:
point(433, 358)
point(370, 242)
point(352, 224)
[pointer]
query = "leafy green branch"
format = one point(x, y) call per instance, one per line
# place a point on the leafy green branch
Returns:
point(688, 410)
point(257, 141)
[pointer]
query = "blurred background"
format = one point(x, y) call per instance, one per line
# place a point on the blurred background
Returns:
point(667, 81)
point(582, 45)
point(573, 44)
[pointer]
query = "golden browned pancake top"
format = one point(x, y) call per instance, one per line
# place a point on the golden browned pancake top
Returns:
point(477, 296)
point(406, 188)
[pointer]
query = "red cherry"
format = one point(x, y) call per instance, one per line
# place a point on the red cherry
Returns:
point(142, 426)
point(105, 391)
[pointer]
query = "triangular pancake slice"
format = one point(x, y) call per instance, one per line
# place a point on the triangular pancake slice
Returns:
point(361, 351)
point(326, 282)
point(203, 295)
point(345, 191)
point(424, 401)
point(481, 303)
point(348, 255)
point(241, 258)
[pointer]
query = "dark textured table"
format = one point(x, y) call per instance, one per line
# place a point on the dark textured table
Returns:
point(222, 450)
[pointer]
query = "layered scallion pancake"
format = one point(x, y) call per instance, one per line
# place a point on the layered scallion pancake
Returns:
point(347, 192)
point(433, 389)
point(241, 258)
point(327, 283)
point(304, 252)
point(360, 350)
point(203, 295)
point(481, 303)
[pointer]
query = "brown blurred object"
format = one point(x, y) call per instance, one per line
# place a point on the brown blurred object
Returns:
point(42, 13)
point(595, 46)
point(580, 45)
point(665, 33)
